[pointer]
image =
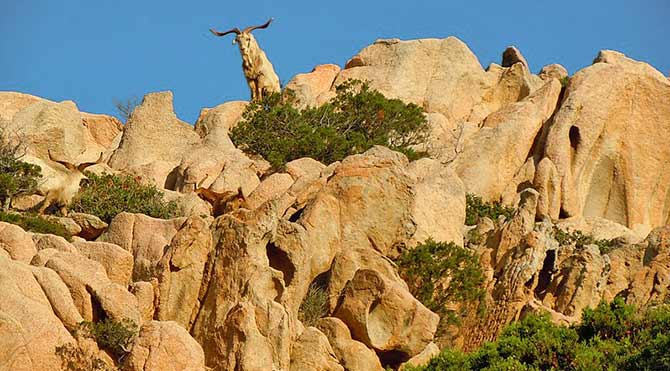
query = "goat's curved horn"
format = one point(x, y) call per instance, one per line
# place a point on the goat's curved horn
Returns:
point(84, 165)
point(217, 33)
point(68, 165)
point(251, 28)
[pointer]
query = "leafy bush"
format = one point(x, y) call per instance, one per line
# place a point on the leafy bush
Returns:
point(579, 239)
point(115, 336)
point(16, 177)
point(105, 196)
point(612, 336)
point(313, 306)
point(35, 223)
point(355, 120)
point(475, 209)
point(439, 273)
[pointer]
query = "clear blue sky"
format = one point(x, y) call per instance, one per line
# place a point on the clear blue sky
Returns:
point(93, 52)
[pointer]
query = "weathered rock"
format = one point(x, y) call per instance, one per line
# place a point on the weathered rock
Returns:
point(118, 263)
point(351, 354)
point(553, 71)
point(146, 238)
point(29, 329)
point(603, 147)
point(154, 133)
point(57, 127)
point(422, 358)
point(384, 316)
point(437, 189)
point(68, 224)
point(181, 272)
point(214, 124)
point(91, 226)
point(144, 292)
point(59, 297)
point(241, 325)
point(104, 129)
point(313, 352)
point(12, 103)
point(164, 346)
point(50, 241)
point(17, 242)
point(512, 55)
point(494, 155)
point(91, 289)
point(304, 167)
point(313, 89)
point(270, 188)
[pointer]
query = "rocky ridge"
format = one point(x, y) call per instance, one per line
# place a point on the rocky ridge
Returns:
point(580, 153)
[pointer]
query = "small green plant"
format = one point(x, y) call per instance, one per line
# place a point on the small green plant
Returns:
point(74, 358)
point(441, 273)
point(314, 305)
point(355, 120)
point(564, 81)
point(35, 223)
point(475, 209)
point(16, 177)
point(105, 196)
point(579, 240)
point(115, 336)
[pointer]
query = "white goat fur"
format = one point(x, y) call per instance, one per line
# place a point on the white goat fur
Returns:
point(61, 190)
point(258, 70)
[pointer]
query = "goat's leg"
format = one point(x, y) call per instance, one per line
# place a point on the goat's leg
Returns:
point(48, 200)
point(63, 210)
point(253, 86)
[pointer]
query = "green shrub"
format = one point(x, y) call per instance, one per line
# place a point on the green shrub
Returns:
point(106, 196)
point(313, 306)
point(475, 209)
point(16, 177)
point(115, 336)
point(355, 120)
point(579, 240)
point(439, 273)
point(612, 336)
point(35, 223)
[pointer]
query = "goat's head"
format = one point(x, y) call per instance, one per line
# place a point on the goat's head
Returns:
point(76, 171)
point(244, 39)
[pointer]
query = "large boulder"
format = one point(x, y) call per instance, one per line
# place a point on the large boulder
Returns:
point(29, 329)
point(312, 351)
point(493, 156)
point(154, 140)
point(313, 88)
point(602, 147)
point(146, 238)
point(164, 346)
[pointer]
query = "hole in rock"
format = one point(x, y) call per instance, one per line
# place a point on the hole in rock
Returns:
point(294, 218)
point(392, 359)
point(544, 278)
point(575, 138)
point(280, 261)
point(563, 214)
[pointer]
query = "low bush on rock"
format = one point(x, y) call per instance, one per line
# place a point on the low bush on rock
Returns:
point(613, 336)
point(579, 240)
point(105, 196)
point(114, 336)
point(35, 223)
point(16, 177)
point(355, 120)
point(441, 273)
point(475, 209)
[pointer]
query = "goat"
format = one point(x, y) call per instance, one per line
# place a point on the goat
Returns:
point(222, 202)
point(258, 70)
point(63, 193)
